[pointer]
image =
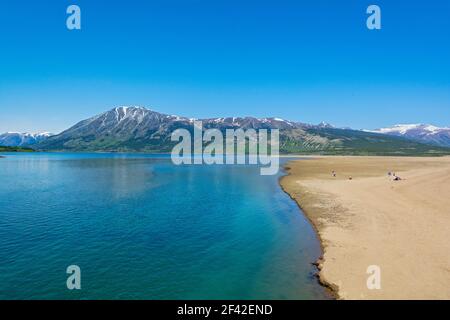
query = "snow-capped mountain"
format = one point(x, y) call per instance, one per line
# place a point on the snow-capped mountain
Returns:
point(131, 129)
point(18, 139)
point(420, 132)
point(324, 124)
point(138, 128)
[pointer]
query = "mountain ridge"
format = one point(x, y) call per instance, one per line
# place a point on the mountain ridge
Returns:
point(19, 139)
point(138, 129)
point(426, 133)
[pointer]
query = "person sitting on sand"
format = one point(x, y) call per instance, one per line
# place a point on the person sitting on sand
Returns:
point(333, 173)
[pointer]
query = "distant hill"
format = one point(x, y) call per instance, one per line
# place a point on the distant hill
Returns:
point(419, 132)
point(137, 129)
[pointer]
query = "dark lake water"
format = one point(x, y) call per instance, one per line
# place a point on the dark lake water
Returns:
point(140, 227)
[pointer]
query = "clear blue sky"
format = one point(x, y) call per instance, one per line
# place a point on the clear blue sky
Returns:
point(300, 60)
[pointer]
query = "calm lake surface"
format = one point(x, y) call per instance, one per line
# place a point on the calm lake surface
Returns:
point(140, 227)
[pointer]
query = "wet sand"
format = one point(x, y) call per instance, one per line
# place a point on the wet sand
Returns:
point(401, 226)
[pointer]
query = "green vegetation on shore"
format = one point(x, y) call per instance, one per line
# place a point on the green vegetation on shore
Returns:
point(331, 141)
point(15, 149)
point(310, 141)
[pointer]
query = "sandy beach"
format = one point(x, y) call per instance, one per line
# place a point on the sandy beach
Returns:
point(403, 227)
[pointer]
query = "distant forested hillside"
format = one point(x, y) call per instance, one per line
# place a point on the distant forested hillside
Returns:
point(15, 149)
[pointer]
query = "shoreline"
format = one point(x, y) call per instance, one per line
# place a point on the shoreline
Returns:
point(331, 289)
point(373, 219)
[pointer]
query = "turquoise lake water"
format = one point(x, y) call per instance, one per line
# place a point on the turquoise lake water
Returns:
point(140, 227)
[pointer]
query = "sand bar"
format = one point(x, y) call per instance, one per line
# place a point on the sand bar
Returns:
point(401, 226)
